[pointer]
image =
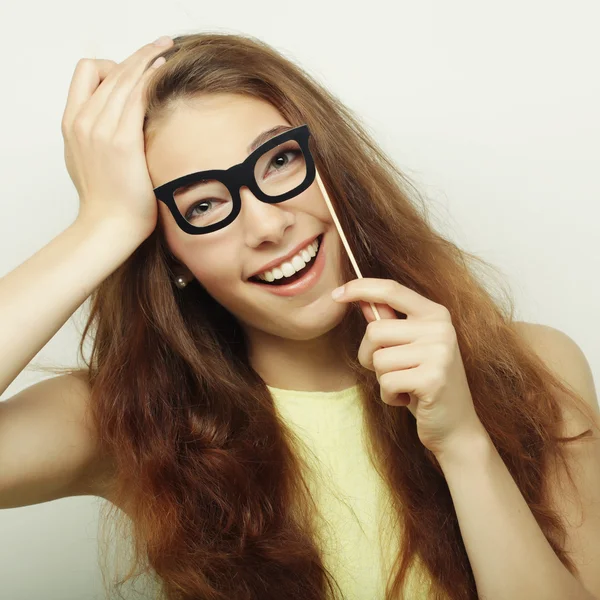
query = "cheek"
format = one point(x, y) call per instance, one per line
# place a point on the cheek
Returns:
point(214, 264)
point(216, 268)
point(315, 203)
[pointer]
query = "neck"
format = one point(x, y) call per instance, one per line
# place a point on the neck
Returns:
point(305, 365)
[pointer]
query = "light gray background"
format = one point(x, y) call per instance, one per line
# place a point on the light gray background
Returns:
point(491, 107)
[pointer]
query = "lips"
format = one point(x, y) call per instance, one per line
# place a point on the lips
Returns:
point(308, 280)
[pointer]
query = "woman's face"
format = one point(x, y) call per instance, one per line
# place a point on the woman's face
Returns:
point(214, 132)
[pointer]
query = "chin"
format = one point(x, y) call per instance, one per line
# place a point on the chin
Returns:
point(308, 326)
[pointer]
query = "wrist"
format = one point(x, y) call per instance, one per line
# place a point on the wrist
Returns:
point(100, 248)
point(113, 229)
point(472, 445)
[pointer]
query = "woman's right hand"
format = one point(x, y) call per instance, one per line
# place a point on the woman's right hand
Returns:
point(102, 127)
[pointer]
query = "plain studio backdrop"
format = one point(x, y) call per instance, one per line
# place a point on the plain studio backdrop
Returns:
point(491, 108)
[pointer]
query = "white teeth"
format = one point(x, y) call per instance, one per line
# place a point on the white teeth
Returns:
point(288, 269)
point(297, 262)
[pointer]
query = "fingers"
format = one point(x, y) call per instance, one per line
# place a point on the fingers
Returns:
point(100, 88)
point(132, 117)
point(385, 312)
point(88, 75)
point(130, 80)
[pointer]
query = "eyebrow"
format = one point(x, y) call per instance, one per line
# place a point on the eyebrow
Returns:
point(261, 138)
point(265, 135)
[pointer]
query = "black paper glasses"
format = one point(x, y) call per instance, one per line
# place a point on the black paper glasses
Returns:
point(206, 201)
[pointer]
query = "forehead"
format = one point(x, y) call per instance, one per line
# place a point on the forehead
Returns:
point(208, 132)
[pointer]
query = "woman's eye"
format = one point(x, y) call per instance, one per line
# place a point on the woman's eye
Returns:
point(281, 155)
point(190, 212)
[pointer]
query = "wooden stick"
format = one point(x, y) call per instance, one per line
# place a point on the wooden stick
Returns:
point(344, 240)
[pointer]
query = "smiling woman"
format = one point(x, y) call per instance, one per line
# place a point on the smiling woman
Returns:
point(261, 439)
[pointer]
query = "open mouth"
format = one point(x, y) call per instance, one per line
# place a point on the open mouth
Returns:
point(297, 275)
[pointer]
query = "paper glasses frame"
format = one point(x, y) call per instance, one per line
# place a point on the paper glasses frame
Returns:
point(237, 176)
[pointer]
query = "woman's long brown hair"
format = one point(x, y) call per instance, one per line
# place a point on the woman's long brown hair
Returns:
point(215, 494)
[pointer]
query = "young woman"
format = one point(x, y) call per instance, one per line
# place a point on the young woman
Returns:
point(263, 438)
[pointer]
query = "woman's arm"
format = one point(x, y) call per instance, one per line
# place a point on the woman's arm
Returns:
point(510, 556)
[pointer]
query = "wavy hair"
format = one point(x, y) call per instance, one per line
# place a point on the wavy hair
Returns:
point(213, 491)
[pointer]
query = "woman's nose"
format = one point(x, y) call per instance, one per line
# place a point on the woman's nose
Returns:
point(261, 219)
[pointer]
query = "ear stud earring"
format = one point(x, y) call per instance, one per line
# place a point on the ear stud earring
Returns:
point(180, 282)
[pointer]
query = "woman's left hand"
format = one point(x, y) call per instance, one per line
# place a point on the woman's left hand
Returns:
point(417, 360)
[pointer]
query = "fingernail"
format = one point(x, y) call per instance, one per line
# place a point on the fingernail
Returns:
point(338, 292)
point(163, 40)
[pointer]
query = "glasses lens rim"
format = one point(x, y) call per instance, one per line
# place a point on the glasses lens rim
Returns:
point(298, 147)
point(226, 191)
point(236, 177)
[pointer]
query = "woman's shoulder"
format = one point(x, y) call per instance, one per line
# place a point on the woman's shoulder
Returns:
point(564, 357)
point(49, 448)
point(574, 493)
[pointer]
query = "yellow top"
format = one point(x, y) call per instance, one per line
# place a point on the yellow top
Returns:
point(350, 494)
